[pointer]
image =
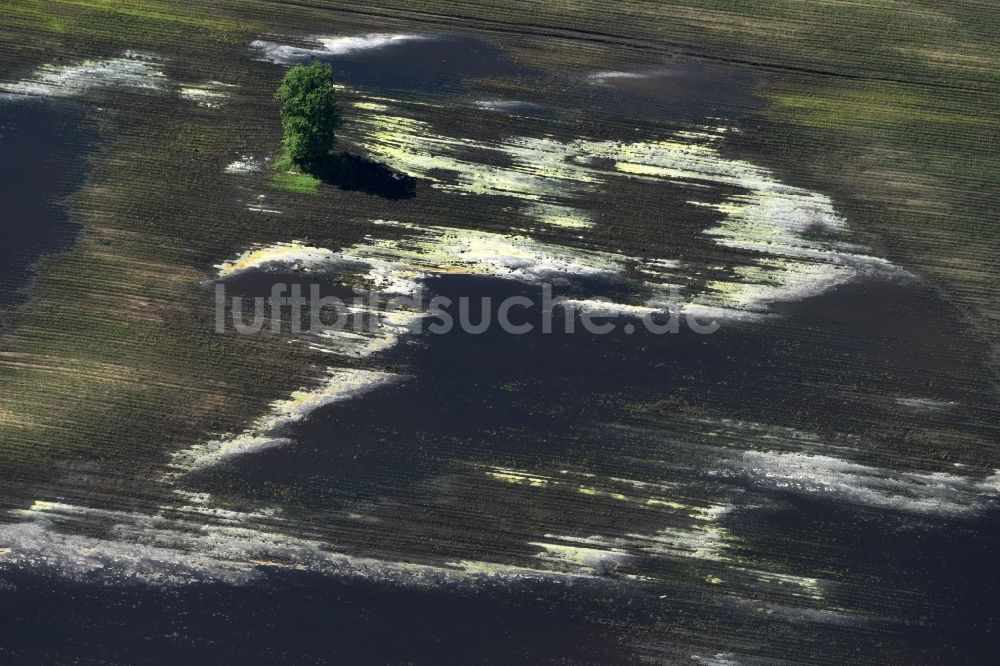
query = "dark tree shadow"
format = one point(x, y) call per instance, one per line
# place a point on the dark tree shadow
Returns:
point(356, 173)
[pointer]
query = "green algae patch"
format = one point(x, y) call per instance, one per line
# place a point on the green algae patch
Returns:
point(299, 183)
point(150, 21)
point(865, 105)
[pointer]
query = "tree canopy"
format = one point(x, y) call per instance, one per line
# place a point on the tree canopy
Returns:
point(309, 114)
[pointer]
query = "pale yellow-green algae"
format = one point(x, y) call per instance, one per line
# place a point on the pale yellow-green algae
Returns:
point(793, 229)
point(210, 95)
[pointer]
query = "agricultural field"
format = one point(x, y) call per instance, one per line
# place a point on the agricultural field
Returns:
point(781, 447)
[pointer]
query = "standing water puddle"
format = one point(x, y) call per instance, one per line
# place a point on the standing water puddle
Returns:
point(399, 62)
point(43, 148)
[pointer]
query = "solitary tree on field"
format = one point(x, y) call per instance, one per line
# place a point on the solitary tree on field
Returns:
point(309, 113)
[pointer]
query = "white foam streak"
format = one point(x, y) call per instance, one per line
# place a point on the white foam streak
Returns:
point(169, 548)
point(352, 44)
point(134, 71)
point(286, 54)
point(244, 166)
point(604, 77)
point(336, 385)
point(919, 492)
point(210, 95)
point(925, 405)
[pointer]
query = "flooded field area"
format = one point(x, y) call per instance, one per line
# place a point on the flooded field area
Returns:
point(779, 448)
point(42, 158)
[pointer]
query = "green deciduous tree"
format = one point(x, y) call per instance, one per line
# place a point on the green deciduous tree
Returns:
point(309, 113)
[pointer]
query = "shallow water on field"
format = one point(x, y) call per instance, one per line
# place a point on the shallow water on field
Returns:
point(677, 90)
point(558, 483)
point(43, 149)
point(772, 490)
point(425, 63)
